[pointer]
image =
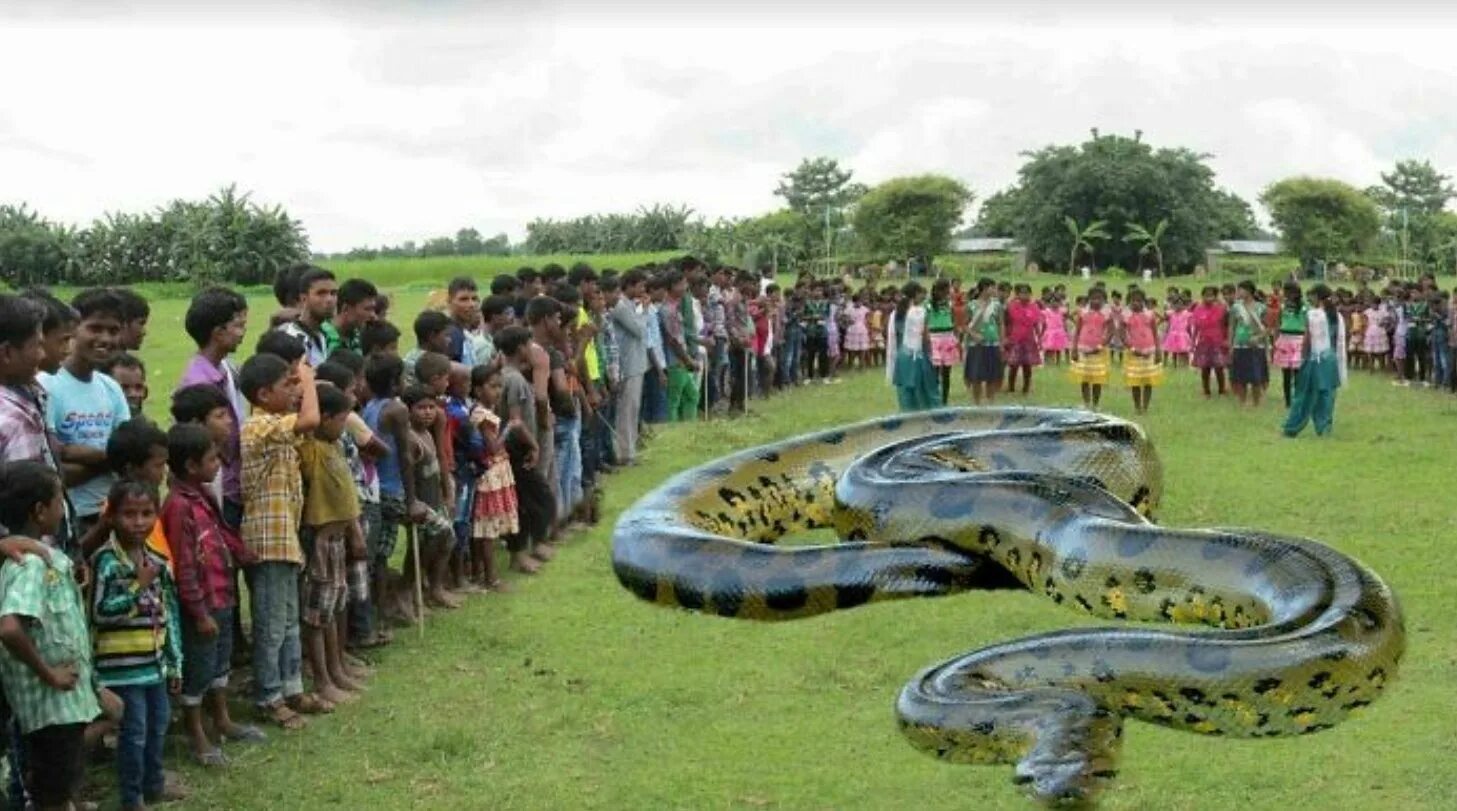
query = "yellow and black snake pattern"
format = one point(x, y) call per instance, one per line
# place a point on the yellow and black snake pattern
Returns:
point(937, 502)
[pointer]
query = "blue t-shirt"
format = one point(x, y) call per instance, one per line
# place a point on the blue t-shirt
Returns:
point(85, 413)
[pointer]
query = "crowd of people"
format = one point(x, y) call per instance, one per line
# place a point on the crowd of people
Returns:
point(1232, 334)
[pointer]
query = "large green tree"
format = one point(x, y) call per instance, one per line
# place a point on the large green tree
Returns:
point(1120, 181)
point(1412, 196)
point(817, 184)
point(1322, 218)
point(911, 216)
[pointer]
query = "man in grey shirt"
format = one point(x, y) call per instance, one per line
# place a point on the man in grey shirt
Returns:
point(630, 327)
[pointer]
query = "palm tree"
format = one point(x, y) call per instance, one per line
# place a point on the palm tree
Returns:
point(1149, 240)
point(1082, 238)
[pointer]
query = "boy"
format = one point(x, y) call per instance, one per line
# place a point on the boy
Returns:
point(136, 451)
point(379, 336)
point(331, 513)
point(138, 639)
point(629, 327)
point(469, 448)
point(129, 373)
point(432, 334)
point(216, 321)
point(85, 405)
point(517, 410)
point(358, 300)
point(207, 554)
point(437, 537)
point(134, 316)
point(389, 419)
point(317, 300)
point(58, 327)
point(46, 669)
point(272, 497)
point(465, 317)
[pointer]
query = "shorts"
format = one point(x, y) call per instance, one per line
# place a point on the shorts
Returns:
point(465, 501)
point(381, 542)
point(56, 757)
point(206, 660)
point(326, 580)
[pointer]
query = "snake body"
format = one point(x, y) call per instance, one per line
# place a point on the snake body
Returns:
point(939, 502)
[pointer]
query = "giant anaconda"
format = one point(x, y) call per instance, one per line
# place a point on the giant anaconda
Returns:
point(926, 503)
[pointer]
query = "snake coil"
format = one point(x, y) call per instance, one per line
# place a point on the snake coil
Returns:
point(931, 504)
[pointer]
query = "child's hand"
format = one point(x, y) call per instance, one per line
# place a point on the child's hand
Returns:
point(357, 550)
point(146, 573)
point(207, 626)
point(15, 548)
point(111, 704)
point(82, 573)
point(305, 374)
point(62, 677)
point(174, 686)
point(419, 513)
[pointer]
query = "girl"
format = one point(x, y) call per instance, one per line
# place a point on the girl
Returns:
point(1054, 329)
point(1249, 371)
point(1115, 334)
point(876, 328)
point(1178, 335)
point(1376, 343)
point(1355, 314)
point(1024, 329)
point(493, 515)
point(857, 336)
point(1419, 326)
point(1090, 363)
point(834, 329)
point(1324, 367)
point(983, 372)
point(945, 347)
point(138, 638)
point(1398, 337)
point(908, 364)
point(1211, 347)
point(1142, 371)
point(1290, 343)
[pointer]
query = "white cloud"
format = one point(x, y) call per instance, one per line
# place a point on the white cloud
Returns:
point(377, 126)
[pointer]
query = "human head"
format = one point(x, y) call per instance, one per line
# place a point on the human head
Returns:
point(282, 344)
point(129, 373)
point(514, 344)
point(631, 283)
point(131, 509)
point(1292, 295)
point(1246, 290)
point(464, 301)
point(21, 346)
point(285, 285)
point(432, 370)
point(505, 284)
point(543, 314)
point(531, 282)
point(458, 381)
point(134, 318)
point(318, 295)
point(58, 327)
point(335, 374)
point(192, 453)
point(424, 408)
point(269, 382)
point(1209, 293)
point(383, 372)
point(217, 317)
point(379, 336)
point(137, 449)
point(497, 312)
point(31, 501)
point(584, 278)
point(335, 406)
point(1136, 300)
point(1096, 297)
point(485, 385)
point(203, 404)
point(432, 331)
point(358, 304)
point(98, 332)
point(1023, 291)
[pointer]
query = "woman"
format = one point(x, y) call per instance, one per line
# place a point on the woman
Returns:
point(908, 364)
point(1324, 369)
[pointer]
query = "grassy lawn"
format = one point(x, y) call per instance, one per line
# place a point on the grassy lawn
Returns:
point(571, 693)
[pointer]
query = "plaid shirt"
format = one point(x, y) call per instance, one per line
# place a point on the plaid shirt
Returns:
point(48, 599)
point(273, 490)
point(24, 435)
point(205, 551)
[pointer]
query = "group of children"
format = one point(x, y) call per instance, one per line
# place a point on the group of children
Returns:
point(126, 546)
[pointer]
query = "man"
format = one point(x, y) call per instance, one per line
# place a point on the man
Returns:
point(629, 328)
point(317, 302)
point(497, 312)
point(134, 319)
point(358, 302)
point(681, 350)
point(217, 320)
point(464, 305)
point(719, 294)
point(740, 326)
point(24, 435)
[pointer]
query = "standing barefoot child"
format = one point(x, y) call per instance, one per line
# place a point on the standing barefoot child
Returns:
point(494, 515)
point(945, 345)
point(1054, 328)
point(1023, 336)
point(331, 511)
point(1090, 364)
point(1211, 339)
point(984, 343)
point(1142, 370)
point(206, 554)
point(437, 536)
point(1290, 343)
point(138, 639)
point(857, 336)
point(1249, 371)
point(1178, 335)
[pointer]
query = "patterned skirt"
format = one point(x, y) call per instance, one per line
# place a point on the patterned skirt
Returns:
point(1142, 370)
point(945, 349)
point(1023, 353)
point(1211, 356)
point(495, 514)
point(1090, 368)
point(1288, 351)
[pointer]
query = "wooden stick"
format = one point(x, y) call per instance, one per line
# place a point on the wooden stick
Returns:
point(419, 578)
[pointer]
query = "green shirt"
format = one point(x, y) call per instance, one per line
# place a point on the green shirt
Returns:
point(48, 601)
point(333, 340)
point(1248, 321)
point(1292, 322)
point(938, 319)
point(987, 326)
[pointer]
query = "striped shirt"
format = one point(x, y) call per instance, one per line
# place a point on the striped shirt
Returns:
point(48, 600)
point(273, 490)
point(138, 639)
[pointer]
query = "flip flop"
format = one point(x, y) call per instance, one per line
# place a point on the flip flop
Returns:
point(212, 759)
point(245, 733)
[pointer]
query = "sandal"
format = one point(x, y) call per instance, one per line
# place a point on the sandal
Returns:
point(379, 640)
point(279, 713)
point(212, 758)
point(245, 733)
point(311, 704)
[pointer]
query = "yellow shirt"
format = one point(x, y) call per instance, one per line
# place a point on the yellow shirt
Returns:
point(592, 367)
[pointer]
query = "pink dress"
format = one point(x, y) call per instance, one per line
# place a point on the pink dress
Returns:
point(1375, 341)
point(1211, 349)
point(1054, 329)
point(1177, 340)
point(1022, 320)
point(857, 336)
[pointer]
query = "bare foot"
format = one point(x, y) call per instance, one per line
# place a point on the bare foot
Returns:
point(544, 551)
point(524, 563)
point(335, 695)
point(345, 683)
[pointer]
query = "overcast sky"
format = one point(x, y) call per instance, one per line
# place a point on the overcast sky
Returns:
point(402, 121)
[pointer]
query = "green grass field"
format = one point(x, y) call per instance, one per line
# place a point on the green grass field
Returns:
point(571, 693)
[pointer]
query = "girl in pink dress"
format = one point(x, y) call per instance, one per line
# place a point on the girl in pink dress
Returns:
point(1376, 343)
point(857, 335)
point(1178, 338)
point(1211, 339)
point(1054, 329)
point(1024, 327)
point(1142, 371)
point(1090, 366)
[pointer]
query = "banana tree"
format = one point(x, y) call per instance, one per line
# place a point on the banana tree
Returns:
point(1149, 240)
point(1083, 238)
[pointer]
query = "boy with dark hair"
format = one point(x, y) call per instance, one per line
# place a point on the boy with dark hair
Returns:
point(273, 496)
point(504, 284)
point(437, 537)
point(379, 336)
point(389, 419)
point(630, 329)
point(286, 292)
point(358, 307)
point(135, 314)
point(281, 344)
point(317, 300)
point(204, 405)
point(432, 334)
point(85, 405)
point(58, 327)
point(207, 554)
point(129, 372)
point(217, 320)
point(464, 305)
point(518, 413)
point(23, 431)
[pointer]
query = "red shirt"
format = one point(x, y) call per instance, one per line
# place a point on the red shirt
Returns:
point(205, 550)
point(1022, 320)
point(1209, 324)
